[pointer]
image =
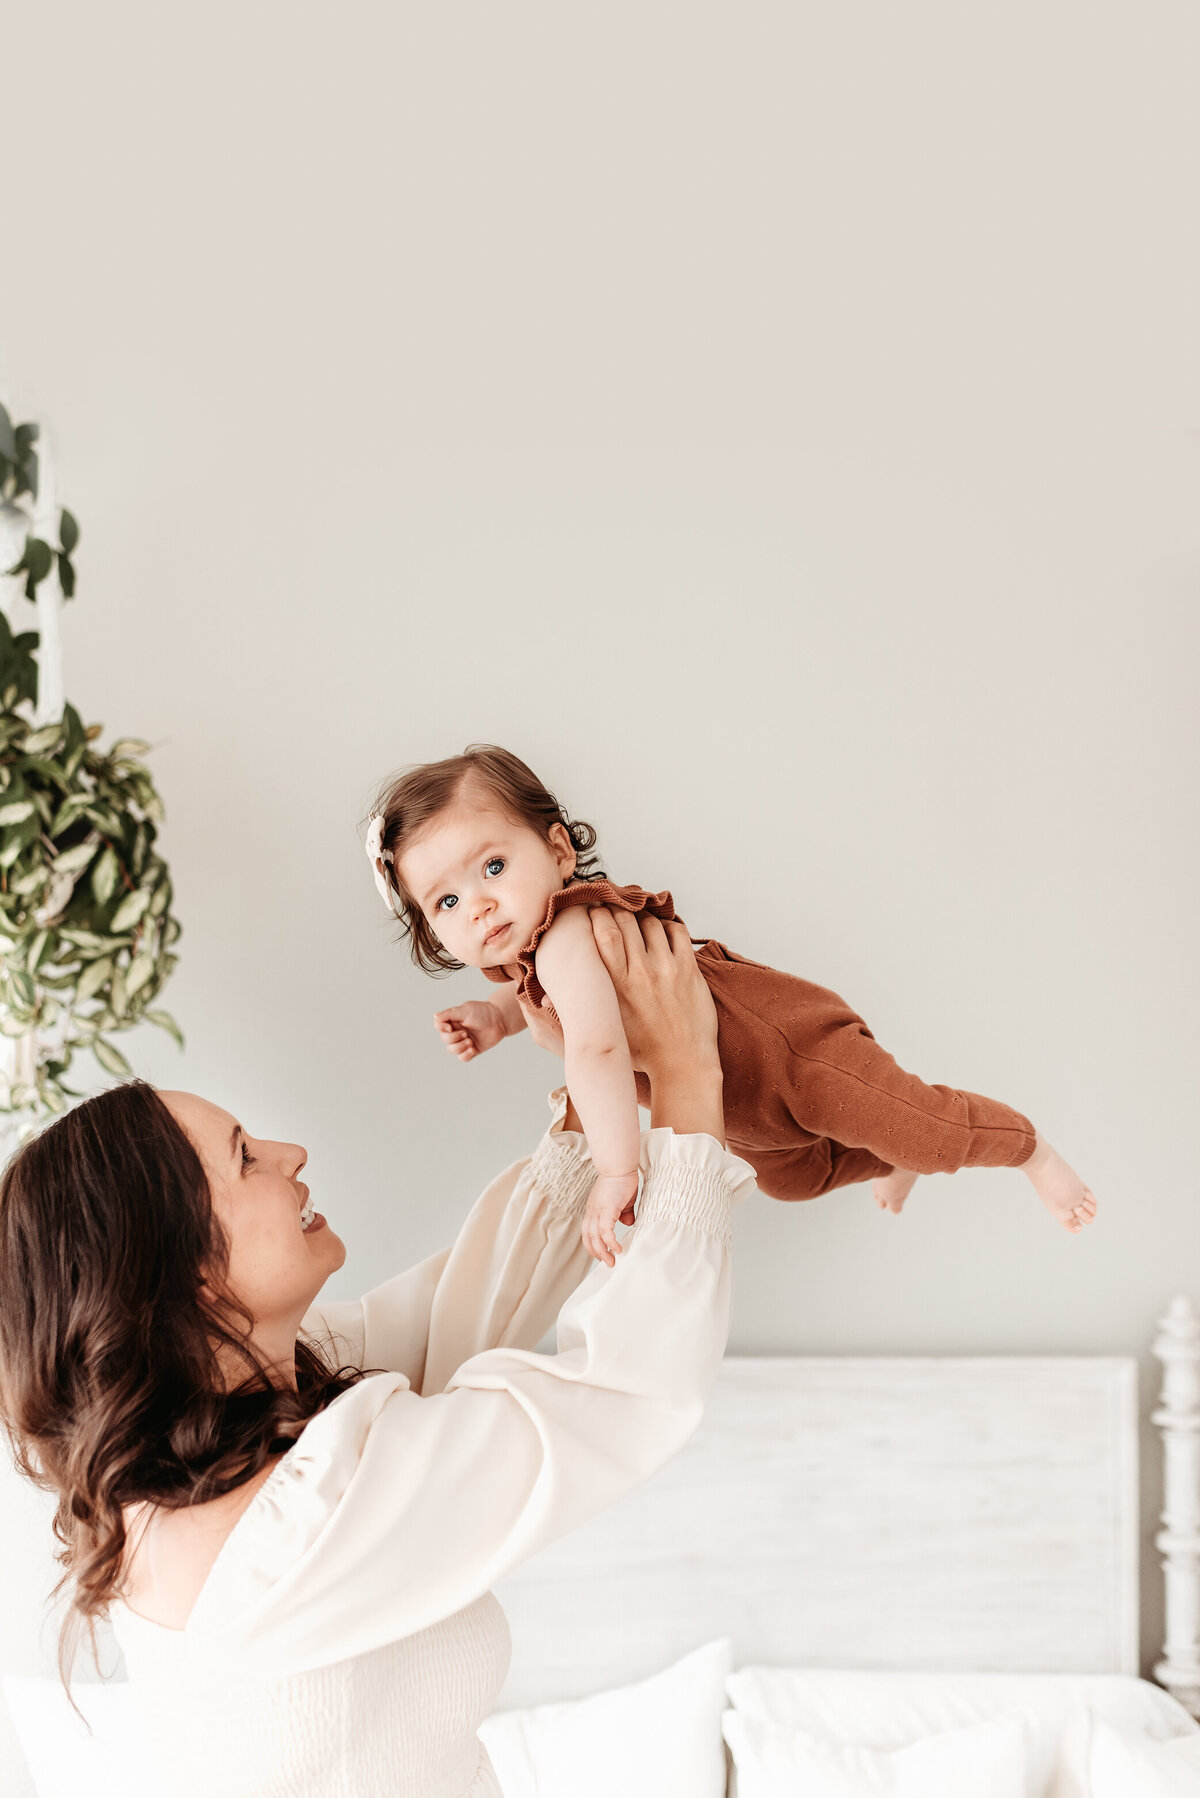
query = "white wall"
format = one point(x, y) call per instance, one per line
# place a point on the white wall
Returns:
point(779, 426)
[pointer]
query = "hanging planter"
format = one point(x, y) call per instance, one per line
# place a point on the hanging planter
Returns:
point(86, 931)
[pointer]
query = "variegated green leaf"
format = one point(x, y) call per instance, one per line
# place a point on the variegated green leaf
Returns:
point(40, 740)
point(15, 810)
point(70, 861)
point(36, 764)
point(166, 1022)
point(32, 882)
point(70, 809)
point(105, 875)
point(84, 939)
point(130, 909)
point(141, 969)
point(93, 978)
point(109, 1058)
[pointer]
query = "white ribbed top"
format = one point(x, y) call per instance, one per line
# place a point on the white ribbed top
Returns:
point(400, 1722)
point(345, 1640)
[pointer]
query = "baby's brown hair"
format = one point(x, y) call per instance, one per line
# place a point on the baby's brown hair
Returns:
point(415, 797)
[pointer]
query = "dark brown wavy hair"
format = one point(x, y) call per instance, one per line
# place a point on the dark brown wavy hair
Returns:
point(110, 1388)
point(414, 798)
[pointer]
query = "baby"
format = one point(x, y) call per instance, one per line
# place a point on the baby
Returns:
point(485, 869)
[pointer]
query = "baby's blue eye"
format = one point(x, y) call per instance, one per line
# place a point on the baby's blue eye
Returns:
point(449, 900)
point(496, 862)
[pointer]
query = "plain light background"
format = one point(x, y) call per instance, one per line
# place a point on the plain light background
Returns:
point(780, 426)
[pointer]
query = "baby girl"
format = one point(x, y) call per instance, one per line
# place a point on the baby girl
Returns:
point(485, 869)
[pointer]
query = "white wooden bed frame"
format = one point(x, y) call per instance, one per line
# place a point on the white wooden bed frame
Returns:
point(958, 1514)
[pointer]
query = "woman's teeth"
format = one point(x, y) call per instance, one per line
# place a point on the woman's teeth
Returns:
point(308, 1213)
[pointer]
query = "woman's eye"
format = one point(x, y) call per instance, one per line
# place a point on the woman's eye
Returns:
point(247, 1157)
point(448, 900)
point(496, 863)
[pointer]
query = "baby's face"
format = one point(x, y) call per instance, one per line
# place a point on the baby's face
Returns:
point(484, 881)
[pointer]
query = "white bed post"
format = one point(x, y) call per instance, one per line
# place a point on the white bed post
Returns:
point(1178, 1348)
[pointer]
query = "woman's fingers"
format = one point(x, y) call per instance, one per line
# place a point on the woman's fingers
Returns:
point(633, 928)
point(610, 939)
point(678, 940)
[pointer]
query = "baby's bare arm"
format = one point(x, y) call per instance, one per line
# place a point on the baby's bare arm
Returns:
point(598, 1065)
point(504, 998)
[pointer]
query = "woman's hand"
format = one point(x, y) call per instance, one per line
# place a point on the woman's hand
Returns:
point(668, 1015)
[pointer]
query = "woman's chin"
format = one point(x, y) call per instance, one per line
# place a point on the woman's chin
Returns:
point(326, 1242)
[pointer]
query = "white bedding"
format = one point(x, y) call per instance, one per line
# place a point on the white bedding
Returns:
point(1101, 1736)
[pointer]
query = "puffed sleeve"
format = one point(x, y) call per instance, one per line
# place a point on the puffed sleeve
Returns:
point(502, 1284)
point(394, 1511)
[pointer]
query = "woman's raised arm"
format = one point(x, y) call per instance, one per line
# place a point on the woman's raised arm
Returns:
point(394, 1511)
point(519, 1253)
point(501, 1284)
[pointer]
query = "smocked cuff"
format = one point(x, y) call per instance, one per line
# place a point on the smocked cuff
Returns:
point(691, 1180)
point(561, 1166)
point(1026, 1144)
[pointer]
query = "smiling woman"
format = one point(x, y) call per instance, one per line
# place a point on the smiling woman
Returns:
point(274, 1263)
point(294, 1514)
point(143, 1256)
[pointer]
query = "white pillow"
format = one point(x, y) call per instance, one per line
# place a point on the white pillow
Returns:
point(985, 1760)
point(660, 1738)
point(1100, 1761)
point(65, 1760)
point(888, 1710)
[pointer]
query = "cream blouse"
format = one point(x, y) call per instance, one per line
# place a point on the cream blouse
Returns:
point(345, 1640)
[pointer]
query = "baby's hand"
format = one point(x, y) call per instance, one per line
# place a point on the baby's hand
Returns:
point(610, 1202)
point(467, 1030)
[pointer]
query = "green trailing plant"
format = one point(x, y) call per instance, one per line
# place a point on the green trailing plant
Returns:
point(19, 482)
point(86, 930)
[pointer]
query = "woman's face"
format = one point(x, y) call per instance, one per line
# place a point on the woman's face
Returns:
point(483, 880)
point(276, 1266)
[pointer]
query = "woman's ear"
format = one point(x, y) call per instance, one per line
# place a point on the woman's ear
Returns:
point(563, 850)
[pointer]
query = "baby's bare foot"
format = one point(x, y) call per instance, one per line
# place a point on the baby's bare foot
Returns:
point(1059, 1188)
point(892, 1189)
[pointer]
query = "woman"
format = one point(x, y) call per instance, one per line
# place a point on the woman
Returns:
point(297, 1556)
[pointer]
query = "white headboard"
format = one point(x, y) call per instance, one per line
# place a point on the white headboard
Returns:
point(971, 1514)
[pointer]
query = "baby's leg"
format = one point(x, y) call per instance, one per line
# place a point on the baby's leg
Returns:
point(806, 1170)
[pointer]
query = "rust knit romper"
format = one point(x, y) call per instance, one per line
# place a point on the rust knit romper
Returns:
point(811, 1100)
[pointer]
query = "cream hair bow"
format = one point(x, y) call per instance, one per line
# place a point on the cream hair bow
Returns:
point(377, 855)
